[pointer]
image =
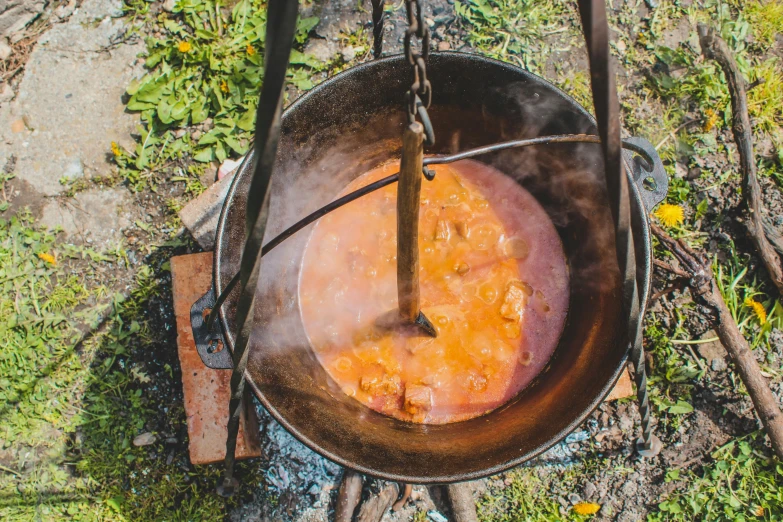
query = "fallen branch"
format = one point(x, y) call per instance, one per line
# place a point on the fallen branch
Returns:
point(373, 509)
point(461, 503)
point(349, 495)
point(703, 287)
point(713, 47)
point(406, 493)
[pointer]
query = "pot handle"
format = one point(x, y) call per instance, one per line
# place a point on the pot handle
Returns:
point(650, 180)
point(211, 345)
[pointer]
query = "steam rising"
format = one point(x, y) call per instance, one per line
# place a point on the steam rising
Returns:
point(567, 179)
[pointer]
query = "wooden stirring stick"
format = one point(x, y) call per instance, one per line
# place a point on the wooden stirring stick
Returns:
point(408, 196)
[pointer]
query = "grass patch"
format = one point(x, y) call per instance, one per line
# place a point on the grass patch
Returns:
point(766, 99)
point(38, 361)
point(72, 404)
point(516, 30)
point(199, 98)
point(766, 18)
point(524, 498)
point(741, 483)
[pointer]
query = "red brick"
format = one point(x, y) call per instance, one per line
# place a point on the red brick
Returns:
point(623, 388)
point(206, 391)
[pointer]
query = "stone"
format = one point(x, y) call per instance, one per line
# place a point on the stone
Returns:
point(630, 488)
point(17, 126)
point(145, 439)
point(16, 37)
point(444, 45)
point(16, 14)
point(71, 94)
point(201, 215)
point(94, 216)
point(348, 53)
point(589, 490)
point(718, 365)
point(65, 10)
point(713, 352)
point(322, 50)
point(625, 422)
point(73, 170)
point(206, 391)
point(168, 5)
point(6, 93)
point(5, 49)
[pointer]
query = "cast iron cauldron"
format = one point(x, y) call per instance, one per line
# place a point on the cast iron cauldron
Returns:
point(352, 123)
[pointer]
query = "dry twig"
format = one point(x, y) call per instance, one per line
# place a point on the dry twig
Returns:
point(703, 287)
point(767, 240)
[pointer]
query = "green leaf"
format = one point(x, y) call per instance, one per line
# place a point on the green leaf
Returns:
point(164, 112)
point(304, 26)
point(198, 114)
point(173, 27)
point(209, 138)
point(206, 35)
point(153, 60)
point(680, 408)
point(234, 143)
point(247, 120)
point(136, 105)
point(701, 208)
point(115, 503)
point(220, 152)
point(180, 110)
point(204, 155)
point(151, 92)
point(133, 86)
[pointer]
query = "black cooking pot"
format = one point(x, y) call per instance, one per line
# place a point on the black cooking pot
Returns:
point(350, 124)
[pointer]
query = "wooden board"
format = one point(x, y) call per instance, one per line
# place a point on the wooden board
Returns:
point(206, 391)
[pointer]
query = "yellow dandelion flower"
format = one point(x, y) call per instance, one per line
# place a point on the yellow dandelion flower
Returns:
point(586, 508)
point(758, 511)
point(711, 121)
point(184, 47)
point(49, 258)
point(758, 309)
point(670, 215)
point(224, 86)
point(250, 50)
point(115, 148)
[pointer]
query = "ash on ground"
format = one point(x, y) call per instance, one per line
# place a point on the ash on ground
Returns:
point(301, 486)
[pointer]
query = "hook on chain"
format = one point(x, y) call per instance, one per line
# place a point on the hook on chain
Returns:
point(420, 89)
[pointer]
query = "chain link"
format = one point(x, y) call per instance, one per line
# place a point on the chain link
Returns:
point(419, 97)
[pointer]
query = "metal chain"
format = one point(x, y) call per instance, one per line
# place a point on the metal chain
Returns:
point(419, 96)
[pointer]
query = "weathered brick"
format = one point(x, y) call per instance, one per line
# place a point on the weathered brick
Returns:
point(206, 391)
point(623, 388)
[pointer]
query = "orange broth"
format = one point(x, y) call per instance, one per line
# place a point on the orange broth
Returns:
point(494, 283)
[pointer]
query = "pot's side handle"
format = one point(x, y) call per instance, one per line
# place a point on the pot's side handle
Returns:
point(211, 346)
point(651, 180)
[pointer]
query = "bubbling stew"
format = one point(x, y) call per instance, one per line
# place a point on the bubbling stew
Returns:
point(493, 279)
